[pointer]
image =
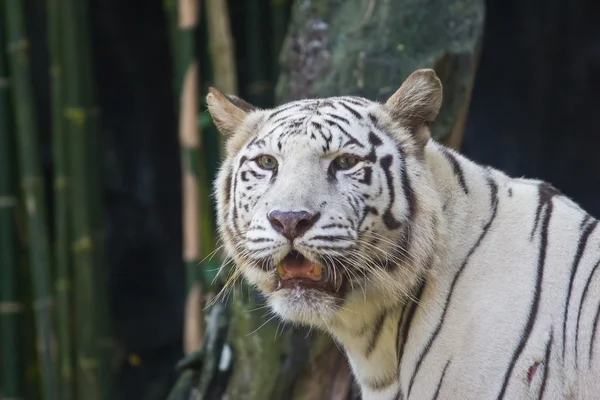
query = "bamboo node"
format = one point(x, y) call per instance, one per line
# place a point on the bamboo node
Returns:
point(4, 82)
point(43, 304)
point(75, 115)
point(30, 203)
point(55, 70)
point(134, 359)
point(8, 201)
point(82, 244)
point(67, 372)
point(10, 307)
point(19, 45)
point(88, 363)
point(61, 183)
point(63, 285)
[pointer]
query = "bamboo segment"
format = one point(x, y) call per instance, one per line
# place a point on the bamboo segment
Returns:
point(222, 50)
point(258, 87)
point(95, 182)
point(197, 212)
point(189, 139)
point(32, 186)
point(221, 45)
point(278, 19)
point(82, 236)
point(63, 284)
point(11, 308)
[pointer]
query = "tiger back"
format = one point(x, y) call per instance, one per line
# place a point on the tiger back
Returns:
point(441, 278)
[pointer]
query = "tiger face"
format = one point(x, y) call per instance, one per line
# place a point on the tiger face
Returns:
point(318, 201)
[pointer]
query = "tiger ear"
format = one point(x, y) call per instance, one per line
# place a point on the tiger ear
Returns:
point(227, 111)
point(417, 102)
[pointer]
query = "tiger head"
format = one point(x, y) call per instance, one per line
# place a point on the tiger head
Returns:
point(326, 205)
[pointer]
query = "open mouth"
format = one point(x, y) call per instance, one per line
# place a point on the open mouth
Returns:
point(295, 270)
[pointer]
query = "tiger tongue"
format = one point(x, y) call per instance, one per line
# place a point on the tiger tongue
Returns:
point(299, 267)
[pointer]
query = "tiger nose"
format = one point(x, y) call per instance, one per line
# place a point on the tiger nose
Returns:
point(292, 224)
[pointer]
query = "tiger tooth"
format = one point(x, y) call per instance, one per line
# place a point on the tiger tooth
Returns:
point(317, 270)
point(281, 270)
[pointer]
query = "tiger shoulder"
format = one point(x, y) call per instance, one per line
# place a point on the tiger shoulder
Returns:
point(441, 278)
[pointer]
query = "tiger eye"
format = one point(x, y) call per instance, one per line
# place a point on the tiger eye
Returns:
point(266, 162)
point(346, 161)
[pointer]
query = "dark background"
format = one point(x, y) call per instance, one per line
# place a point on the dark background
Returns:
point(535, 112)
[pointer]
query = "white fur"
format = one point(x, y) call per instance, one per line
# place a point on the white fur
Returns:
point(492, 297)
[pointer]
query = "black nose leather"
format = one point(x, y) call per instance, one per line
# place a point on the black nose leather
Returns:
point(292, 224)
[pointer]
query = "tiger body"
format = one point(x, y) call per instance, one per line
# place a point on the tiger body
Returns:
point(441, 278)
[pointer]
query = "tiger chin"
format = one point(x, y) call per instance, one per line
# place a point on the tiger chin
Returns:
point(441, 278)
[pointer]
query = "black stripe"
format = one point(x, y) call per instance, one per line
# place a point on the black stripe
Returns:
point(339, 118)
point(374, 140)
point(550, 192)
point(406, 325)
point(545, 195)
point(366, 179)
point(376, 333)
point(351, 138)
point(261, 240)
point(328, 238)
point(375, 121)
point(356, 101)
point(352, 111)
point(255, 174)
point(399, 330)
point(327, 103)
point(227, 188)
point(494, 204)
point(277, 112)
point(388, 218)
point(334, 225)
point(234, 213)
point(409, 193)
point(546, 366)
point(458, 171)
point(574, 267)
point(439, 386)
point(593, 339)
point(585, 221)
point(583, 295)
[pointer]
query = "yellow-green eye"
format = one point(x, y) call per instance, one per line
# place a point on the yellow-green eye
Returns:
point(266, 162)
point(345, 161)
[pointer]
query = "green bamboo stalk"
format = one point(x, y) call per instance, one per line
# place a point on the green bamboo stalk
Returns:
point(197, 218)
point(258, 89)
point(11, 308)
point(76, 111)
point(279, 11)
point(184, 66)
point(222, 50)
point(63, 283)
point(105, 342)
point(32, 185)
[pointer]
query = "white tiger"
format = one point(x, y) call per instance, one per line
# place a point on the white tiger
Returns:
point(441, 278)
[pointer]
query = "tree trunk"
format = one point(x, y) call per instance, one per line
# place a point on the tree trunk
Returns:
point(368, 47)
point(359, 47)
